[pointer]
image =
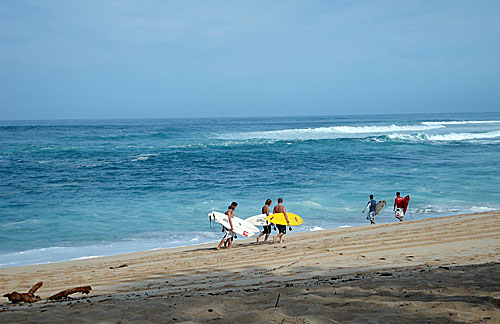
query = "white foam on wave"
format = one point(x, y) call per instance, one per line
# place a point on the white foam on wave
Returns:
point(486, 142)
point(326, 132)
point(384, 129)
point(457, 137)
point(86, 257)
point(479, 209)
point(144, 157)
point(460, 122)
point(464, 136)
point(316, 228)
point(437, 210)
point(65, 253)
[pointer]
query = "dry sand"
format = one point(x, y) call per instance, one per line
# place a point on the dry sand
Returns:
point(441, 270)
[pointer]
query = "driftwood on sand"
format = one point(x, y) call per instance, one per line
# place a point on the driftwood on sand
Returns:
point(65, 293)
point(30, 297)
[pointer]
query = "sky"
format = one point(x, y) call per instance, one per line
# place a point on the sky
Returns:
point(168, 59)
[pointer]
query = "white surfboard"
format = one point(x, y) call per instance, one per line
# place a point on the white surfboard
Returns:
point(258, 220)
point(240, 226)
point(379, 206)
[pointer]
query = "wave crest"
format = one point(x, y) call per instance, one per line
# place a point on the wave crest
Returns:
point(332, 132)
point(460, 122)
point(456, 137)
point(384, 129)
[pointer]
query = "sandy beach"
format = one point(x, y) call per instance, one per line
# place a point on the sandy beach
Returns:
point(440, 270)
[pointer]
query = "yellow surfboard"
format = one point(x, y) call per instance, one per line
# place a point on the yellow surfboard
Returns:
point(280, 219)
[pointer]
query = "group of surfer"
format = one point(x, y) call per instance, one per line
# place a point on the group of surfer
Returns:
point(399, 208)
point(227, 240)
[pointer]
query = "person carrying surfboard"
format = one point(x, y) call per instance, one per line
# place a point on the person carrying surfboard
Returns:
point(234, 204)
point(228, 238)
point(398, 207)
point(281, 228)
point(267, 228)
point(371, 210)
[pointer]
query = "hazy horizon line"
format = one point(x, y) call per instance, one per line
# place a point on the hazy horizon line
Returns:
point(244, 117)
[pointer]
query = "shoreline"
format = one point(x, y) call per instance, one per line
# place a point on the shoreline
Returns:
point(197, 276)
point(238, 243)
point(216, 240)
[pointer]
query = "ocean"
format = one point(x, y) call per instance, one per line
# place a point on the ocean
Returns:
point(73, 189)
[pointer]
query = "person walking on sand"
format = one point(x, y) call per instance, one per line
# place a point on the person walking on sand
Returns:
point(281, 228)
point(234, 204)
point(267, 228)
point(228, 237)
point(371, 210)
point(398, 207)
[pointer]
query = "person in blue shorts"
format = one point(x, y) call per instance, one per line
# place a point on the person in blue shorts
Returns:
point(371, 210)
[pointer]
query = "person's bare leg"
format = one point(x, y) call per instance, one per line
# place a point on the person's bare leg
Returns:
point(267, 236)
point(222, 241)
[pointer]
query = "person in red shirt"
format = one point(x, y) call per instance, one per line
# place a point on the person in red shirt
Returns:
point(398, 207)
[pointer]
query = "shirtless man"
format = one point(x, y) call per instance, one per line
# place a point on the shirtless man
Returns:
point(398, 207)
point(281, 228)
point(228, 238)
point(267, 228)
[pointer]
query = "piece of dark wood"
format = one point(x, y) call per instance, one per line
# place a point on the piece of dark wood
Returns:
point(28, 297)
point(67, 292)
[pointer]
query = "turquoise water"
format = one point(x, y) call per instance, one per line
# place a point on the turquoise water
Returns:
point(76, 189)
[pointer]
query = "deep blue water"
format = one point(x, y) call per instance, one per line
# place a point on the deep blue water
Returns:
point(73, 189)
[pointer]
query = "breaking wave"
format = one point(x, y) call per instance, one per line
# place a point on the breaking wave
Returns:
point(327, 132)
point(383, 129)
point(457, 137)
point(460, 122)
